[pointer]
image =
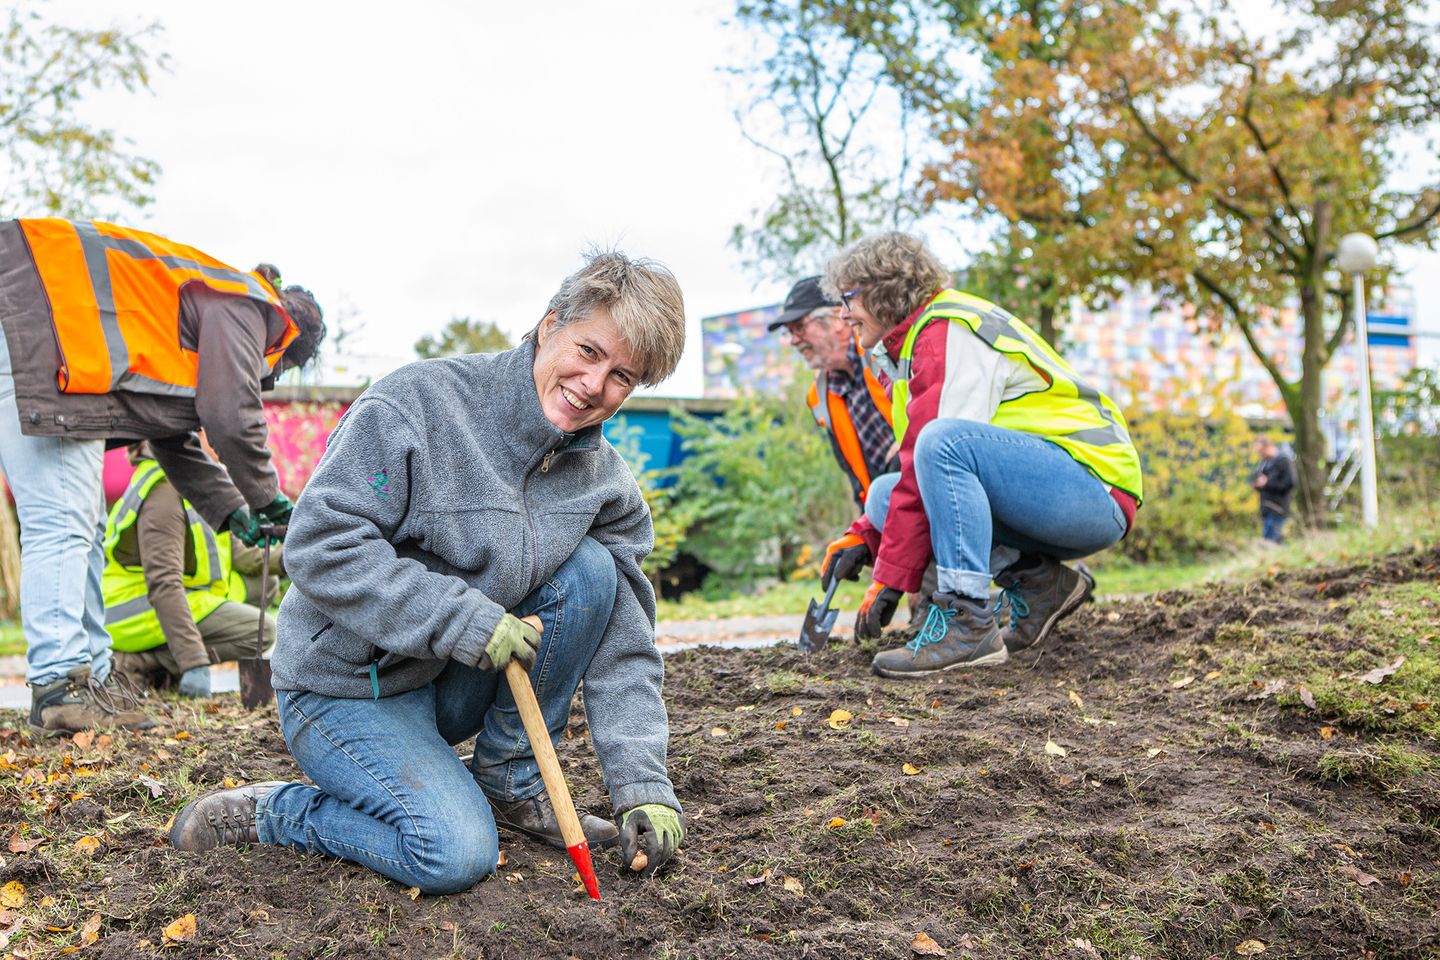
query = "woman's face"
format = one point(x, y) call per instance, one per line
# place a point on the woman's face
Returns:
point(870, 330)
point(583, 371)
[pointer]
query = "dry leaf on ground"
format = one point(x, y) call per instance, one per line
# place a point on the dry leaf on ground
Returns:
point(840, 719)
point(90, 931)
point(909, 769)
point(836, 823)
point(413, 893)
point(925, 946)
point(1269, 690)
point(84, 739)
point(88, 845)
point(19, 844)
point(1054, 749)
point(156, 788)
point(181, 931)
point(1307, 698)
point(757, 881)
point(1249, 948)
point(1182, 683)
point(1075, 699)
point(795, 886)
point(1380, 673)
point(718, 731)
point(12, 895)
point(1359, 876)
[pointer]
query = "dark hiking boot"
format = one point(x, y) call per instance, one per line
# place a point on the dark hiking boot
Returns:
point(920, 602)
point(220, 818)
point(1040, 592)
point(535, 817)
point(958, 632)
point(78, 702)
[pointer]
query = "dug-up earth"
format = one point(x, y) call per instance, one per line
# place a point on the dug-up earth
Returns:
point(1247, 770)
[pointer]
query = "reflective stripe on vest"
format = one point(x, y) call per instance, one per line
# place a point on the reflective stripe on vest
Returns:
point(130, 619)
point(114, 298)
point(1069, 412)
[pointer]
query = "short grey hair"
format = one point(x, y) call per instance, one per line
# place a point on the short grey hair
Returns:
point(643, 298)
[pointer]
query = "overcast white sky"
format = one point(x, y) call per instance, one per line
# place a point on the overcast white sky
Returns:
point(436, 158)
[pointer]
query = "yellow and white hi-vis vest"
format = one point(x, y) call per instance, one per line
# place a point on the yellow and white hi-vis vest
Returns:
point(1070, 413)
point(130, 619)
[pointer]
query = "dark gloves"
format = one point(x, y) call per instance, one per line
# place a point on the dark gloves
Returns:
point(876, 610)
point(195, 682)
point(844, 559)
point(512, 638)
point(277, 513)
point(651, 831)
point(245, 527)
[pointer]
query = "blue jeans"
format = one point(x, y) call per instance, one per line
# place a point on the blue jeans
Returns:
point(390, 792)
point(61, 505)
point(1271, 525)
point(992, 494)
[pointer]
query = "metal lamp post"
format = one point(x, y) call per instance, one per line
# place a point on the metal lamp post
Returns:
point(1357, 256)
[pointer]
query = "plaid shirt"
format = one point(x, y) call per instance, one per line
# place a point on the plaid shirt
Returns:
point(874, 432)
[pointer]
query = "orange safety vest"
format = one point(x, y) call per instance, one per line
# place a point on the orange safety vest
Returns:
point(835, 417)
point(114, 299)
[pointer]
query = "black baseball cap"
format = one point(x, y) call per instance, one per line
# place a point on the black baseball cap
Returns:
point(805, 296)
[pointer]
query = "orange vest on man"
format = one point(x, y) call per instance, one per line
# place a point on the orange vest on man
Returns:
point(834, 416)
point(114, 296)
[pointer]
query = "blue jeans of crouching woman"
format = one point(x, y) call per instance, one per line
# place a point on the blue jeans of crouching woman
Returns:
point(992, 494)
point(390, 792)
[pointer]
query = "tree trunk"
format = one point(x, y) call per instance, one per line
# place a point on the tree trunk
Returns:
point(1304, 404)
point(1046, 320)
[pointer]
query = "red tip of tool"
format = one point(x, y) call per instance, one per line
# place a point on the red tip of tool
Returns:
point(580, 853)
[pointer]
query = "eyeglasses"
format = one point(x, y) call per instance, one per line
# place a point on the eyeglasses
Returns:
point(847, 297)
point(795, 328)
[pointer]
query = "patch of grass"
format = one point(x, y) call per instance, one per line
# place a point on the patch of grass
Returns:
point(1384, 765)
point(784, 682)
point(12, 639)
point(779, 600)
point(1400, 529)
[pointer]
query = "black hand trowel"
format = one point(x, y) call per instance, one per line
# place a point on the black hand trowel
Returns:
point(255, 685)
point(819, 621)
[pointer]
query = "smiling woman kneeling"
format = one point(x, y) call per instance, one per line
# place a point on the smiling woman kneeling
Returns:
point(456, 496)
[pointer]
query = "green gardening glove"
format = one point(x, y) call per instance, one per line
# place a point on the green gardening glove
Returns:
point(651, 830)
point(245, 527)
point(513, 637)
point(277, 513)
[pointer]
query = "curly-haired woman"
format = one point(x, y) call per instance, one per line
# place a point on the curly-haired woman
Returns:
point(1010, 462)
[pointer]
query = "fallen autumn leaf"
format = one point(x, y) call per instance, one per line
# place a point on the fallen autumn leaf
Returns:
point(925, 946)
point(182, 930)
point(840, 719)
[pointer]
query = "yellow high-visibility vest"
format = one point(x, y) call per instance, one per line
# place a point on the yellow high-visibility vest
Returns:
point(131, 621)
point(1069, 413)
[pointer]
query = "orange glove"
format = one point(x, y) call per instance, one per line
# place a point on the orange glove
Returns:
point(844, 559)
point(876, 610)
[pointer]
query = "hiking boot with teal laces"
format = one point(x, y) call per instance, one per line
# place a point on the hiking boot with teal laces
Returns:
point(1039, 592)
point(958, 632)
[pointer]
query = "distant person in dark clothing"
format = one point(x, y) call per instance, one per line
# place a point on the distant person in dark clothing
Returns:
point(1274, 478)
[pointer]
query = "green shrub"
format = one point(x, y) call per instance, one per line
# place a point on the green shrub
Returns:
point(1197, 463)
point(759, 493)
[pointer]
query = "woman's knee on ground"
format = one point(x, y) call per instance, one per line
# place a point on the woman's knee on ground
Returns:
point(457, 855)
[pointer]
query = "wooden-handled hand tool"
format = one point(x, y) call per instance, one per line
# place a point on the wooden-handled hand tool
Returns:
point(550, 772)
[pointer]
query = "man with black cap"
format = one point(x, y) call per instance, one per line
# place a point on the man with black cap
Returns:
point(848, 399)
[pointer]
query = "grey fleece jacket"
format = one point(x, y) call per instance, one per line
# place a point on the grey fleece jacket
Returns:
point(443, 499)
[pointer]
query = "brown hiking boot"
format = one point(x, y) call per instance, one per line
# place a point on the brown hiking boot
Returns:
point(535, 816)
point(220, 818)
point(1040, 592)
point(78, 702)
point(958, 633)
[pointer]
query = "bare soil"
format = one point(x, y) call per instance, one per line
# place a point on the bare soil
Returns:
point(1087, 800)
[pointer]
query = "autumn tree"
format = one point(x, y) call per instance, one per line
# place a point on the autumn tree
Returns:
point(463, 335)
point(1262, 152)
point(820, 103)
point(55, 162)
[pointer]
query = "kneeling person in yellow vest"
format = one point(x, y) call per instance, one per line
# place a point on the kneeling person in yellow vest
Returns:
point(168, 585)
